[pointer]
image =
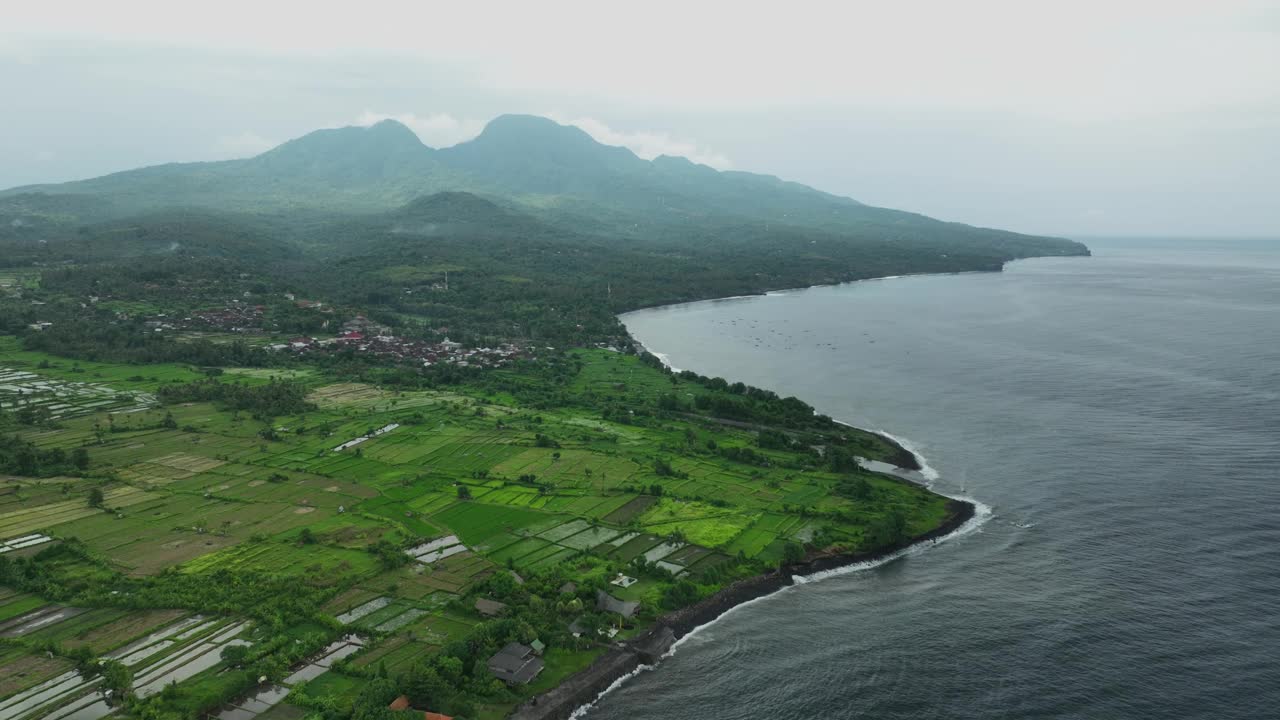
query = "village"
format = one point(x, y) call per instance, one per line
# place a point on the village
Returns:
point(362, 336)
point(358, 335)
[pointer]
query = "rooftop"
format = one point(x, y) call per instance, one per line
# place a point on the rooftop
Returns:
point(515, 663)
point(492, 608)
point(608, 603)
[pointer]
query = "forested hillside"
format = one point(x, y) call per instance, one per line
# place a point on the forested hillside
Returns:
point(543, 233)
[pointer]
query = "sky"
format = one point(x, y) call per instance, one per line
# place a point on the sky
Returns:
point(1078, 119)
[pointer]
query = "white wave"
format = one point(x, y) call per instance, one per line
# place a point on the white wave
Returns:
point(581, 710)
point(662, 357)
point(926, 469)
point(699, 629)
point(666, 361)
point(981, 514)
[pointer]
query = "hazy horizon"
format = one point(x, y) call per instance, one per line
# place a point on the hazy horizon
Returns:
point(1095, 120)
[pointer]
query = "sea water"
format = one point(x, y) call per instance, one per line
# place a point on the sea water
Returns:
point(1119, 415)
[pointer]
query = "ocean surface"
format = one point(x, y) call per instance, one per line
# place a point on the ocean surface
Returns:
point(1119, 415)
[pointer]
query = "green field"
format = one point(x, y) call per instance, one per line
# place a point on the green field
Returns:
point(195, 495)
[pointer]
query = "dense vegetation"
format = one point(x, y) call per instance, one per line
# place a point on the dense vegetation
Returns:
point(544, 234)
point(235, 494)
point(233, 439)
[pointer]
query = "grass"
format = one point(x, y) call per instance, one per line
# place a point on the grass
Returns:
point(20, 605)
point(476, 522)
point(214, 495)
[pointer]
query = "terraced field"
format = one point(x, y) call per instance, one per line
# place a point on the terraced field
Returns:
point(60, 399)
point(159, 647)
point(443, 495)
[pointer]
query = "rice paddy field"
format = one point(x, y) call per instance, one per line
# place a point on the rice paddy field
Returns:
point(467, 480)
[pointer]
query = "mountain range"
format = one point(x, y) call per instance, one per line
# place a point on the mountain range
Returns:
point(555, 172)
point(542, 230)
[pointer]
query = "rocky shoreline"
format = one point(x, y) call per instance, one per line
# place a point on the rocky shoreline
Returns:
point(623, 659)
point(901, 457)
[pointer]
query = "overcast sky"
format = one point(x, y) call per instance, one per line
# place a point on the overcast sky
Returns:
point(1071, 118)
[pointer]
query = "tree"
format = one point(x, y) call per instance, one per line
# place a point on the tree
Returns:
point(425, 687)
point(96, 498)
point(682, 593)
point(234, 655)
point(80, 458)
point(117, 679)
point(464, 492)
point(856, 488)
point(792, 553)
point(842, 461)
point(890, 528)
point(389, 556)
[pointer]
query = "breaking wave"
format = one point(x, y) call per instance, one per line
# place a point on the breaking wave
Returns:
point(581, 710)
point(926, 470)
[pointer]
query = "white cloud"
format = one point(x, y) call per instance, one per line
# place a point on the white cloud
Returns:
point(435, 129)
point(11, 51)
point(241, 145)
point(1082, 60)
point(987, 111)
point(648, 144)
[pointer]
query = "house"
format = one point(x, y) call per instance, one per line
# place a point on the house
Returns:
point(490, 608)
point(569, 588)
point(515, 664)
point(608, 603)
point(364, 326)
point(402, 703)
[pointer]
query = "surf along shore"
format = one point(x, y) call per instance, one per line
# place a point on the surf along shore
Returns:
point(623, 659)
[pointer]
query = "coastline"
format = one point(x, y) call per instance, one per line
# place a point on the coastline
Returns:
point(581, 690)
point(578, 692)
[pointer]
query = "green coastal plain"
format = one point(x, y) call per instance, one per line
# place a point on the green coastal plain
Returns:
point(237, 511)
point(351, 428)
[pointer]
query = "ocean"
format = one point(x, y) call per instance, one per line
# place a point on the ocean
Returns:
point(1118, 415)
